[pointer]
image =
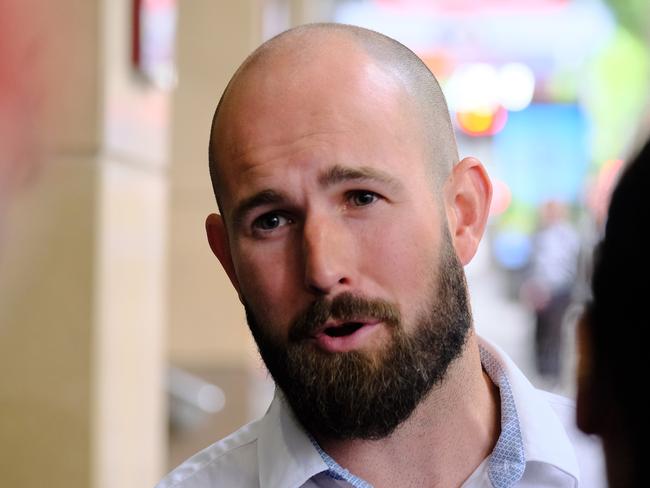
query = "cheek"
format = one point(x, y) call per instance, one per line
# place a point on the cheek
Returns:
point(267, 274)
point(401, 256)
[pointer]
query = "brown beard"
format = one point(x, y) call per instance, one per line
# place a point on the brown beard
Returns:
point(359, 395)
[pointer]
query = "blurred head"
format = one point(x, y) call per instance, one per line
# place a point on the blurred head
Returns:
point(552, 212)
point(610, 375)
point(345, 221)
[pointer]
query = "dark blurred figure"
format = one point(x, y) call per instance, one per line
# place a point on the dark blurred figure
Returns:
point(548, 287)
point(612, 370)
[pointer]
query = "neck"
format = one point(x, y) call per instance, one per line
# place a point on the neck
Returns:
point(447, 436)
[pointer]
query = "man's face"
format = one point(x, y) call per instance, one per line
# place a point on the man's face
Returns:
point(358, 394)
point(337, 240)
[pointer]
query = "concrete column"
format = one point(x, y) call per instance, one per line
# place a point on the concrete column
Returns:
point(47, 265)
point(129, 428)
point(82, 266)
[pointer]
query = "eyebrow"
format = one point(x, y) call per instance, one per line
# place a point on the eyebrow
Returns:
point(339, 174)
point(264, 197)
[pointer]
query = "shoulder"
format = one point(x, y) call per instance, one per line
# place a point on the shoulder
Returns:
point(231, 461)
point(587, 448)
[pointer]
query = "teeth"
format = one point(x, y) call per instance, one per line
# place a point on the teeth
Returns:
point(344, 329)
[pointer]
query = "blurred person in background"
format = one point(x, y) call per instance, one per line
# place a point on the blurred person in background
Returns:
point(612, 354)
point(548, 287)
point(346, 220)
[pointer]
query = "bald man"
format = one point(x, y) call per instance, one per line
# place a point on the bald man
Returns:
point(345, 221)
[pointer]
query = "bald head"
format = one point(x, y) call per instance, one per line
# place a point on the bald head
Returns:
point(289, 65)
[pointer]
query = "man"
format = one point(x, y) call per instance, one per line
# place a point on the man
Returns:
point(612, 364)
point(345, 220)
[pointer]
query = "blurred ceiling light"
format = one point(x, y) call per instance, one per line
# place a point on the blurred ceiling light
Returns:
point(480, 87)
point(211, 398)
point(476, 123)
point(473, 88)
point(516, 84)
point(194, 391)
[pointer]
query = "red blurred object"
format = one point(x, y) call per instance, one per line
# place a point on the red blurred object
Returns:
point(23, 89)
point(136, 51)
point(153, 30)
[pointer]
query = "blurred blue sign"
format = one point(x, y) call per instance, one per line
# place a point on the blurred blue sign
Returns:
point(542, 153)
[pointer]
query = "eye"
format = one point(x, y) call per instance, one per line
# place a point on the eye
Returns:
point(270, 221)
point(362, 198)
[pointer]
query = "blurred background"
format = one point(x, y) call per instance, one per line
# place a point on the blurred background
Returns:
point(123, 348)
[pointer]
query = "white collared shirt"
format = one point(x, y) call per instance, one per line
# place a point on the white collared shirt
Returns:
point(539, 446)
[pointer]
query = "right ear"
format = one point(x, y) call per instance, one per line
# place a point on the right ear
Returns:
point(220, 245)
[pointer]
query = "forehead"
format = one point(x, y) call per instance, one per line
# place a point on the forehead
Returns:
point(343, 106)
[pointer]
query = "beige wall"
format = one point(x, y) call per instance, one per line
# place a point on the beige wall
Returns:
point(46, 268)
point(129, 402)
point(46, 299)
point(82, 265)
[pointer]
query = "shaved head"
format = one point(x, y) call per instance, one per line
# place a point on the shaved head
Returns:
point(345, 221)
point(282, 58)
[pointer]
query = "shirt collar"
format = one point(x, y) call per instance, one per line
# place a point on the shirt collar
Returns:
point(285, 453)
point(543, 436)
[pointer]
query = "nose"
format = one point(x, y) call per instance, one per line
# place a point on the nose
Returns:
point(326, 256)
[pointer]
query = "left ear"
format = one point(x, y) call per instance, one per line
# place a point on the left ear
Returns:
point(468, 193)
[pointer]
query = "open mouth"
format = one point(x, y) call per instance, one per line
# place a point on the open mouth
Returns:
point(346, 336)
point(343, 330)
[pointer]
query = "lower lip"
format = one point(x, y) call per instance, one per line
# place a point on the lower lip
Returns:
point(350, 342)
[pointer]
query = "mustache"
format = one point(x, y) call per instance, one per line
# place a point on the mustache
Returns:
point(343, 307)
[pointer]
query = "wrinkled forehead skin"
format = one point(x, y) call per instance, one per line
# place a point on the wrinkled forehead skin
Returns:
point(317, 80)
